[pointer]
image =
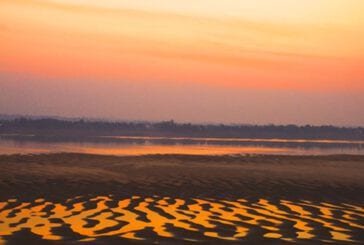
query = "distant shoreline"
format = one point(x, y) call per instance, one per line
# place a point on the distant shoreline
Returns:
point(170, 129)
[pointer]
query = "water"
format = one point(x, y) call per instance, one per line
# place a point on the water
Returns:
point(163, 145)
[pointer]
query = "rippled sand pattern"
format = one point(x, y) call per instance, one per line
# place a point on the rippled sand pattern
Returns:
point(192, 220)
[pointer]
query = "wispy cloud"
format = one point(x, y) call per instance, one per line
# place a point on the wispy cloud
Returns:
point(137, 42)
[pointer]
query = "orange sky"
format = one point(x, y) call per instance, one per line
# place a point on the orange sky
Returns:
point(311, 45)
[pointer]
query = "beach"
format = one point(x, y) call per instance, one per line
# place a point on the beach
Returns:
point(66, 198)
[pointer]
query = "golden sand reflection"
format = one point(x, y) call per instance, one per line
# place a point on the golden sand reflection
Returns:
point(165, 217)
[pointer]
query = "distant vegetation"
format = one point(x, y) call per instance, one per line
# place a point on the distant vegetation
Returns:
point(85, 128)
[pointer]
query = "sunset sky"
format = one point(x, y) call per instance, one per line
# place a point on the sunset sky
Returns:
point(231, 61)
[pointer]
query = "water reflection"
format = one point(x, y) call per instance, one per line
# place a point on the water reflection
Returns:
point(160, 145)
point(140, 218)
point(236, 140)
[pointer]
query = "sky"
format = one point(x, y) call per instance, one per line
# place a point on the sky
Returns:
point(202, 61)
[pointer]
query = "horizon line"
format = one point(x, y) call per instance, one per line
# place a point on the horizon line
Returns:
point(4, 116)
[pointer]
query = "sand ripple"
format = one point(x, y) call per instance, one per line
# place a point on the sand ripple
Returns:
point(153, 218)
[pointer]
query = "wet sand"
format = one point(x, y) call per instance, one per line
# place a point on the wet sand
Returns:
point(169, 199)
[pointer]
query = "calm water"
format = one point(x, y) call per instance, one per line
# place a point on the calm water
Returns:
point(161, 145)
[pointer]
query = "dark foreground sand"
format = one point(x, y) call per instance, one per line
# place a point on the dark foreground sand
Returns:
point(169, 199)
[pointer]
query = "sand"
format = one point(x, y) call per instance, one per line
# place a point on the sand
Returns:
point(68, 198)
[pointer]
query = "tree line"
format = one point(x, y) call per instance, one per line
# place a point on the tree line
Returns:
point(82, 127)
